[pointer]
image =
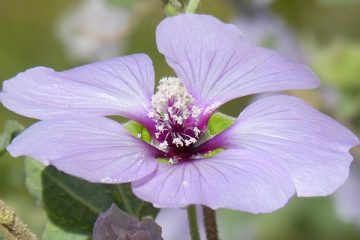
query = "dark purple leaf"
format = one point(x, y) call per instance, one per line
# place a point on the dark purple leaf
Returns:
point(115, 224)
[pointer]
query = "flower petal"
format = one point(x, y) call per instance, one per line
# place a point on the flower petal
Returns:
point(312, 147)
point(235, 179)
point(217, 64)
point(93, 148)
point(121, 86)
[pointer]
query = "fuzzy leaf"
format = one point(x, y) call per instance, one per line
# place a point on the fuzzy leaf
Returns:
point(218, 122)
point(72, 204)
point(33, 180)
point(11, 129)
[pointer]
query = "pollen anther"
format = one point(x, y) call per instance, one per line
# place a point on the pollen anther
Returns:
point(175, 114)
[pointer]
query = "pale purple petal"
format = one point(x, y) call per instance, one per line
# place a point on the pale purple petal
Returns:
point(94, 148)
point(312, 147)
point(217, 64)
point(235, 179)
point(121, 86)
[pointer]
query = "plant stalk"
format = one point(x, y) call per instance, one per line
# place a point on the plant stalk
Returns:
point(210, 223)
point(192, 6)
point(193, 223)
point(11, 226)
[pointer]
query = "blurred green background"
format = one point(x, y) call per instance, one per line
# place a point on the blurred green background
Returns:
point(323, 33)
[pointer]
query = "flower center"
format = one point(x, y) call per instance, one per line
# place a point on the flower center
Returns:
point(176, 118)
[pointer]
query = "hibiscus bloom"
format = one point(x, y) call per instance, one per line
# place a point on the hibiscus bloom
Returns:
point(277, 147)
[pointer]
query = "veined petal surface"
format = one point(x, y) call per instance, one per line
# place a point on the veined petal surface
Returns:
point(217, 64)
point(236, 179)
point(93, 148)
point(121, 86)
point(313, 147)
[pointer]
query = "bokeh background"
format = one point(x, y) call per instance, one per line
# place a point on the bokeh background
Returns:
point(325, 34)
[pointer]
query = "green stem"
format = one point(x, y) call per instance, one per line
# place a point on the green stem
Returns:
point(192, 6)
point(124, 199)
point(210, 224)
point(193, 223)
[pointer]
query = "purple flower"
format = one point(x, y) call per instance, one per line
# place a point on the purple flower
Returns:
point(277, 147)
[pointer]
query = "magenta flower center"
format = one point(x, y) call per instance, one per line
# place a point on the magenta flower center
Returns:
point(176, 120)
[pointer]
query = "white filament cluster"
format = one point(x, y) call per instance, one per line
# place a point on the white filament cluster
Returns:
point(172, 105)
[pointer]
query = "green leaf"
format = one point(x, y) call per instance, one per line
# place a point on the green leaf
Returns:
point(53, 232)
point(72, 204)
point(145, 135)
point(213, 152)
point(11, 129)
point(162, 160)
point(138, 130)
point(33, 180)
point(218, 122)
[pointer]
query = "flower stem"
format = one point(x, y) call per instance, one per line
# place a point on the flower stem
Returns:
point(11, 226)
point(193, 223)
point(210, 223)
point(124, 199)
point(192, 6)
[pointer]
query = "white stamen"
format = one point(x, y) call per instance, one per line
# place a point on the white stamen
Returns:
point(160, 127)
point(163, 145)
point(151, 114)
point(192, 140)
point(196, 131)
point(195, 112)
point(173, 161)
point(171, 89)
point(178, 142)
point(172, 106)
